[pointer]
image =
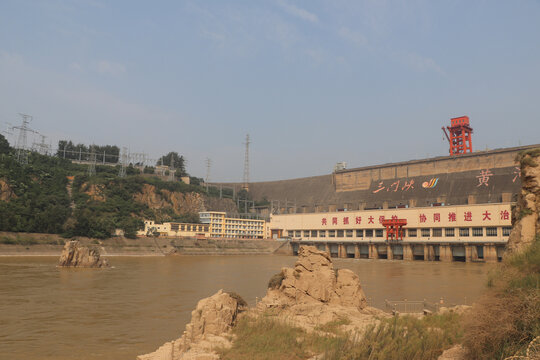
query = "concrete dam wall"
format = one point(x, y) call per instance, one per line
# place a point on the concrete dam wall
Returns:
point(481, 177)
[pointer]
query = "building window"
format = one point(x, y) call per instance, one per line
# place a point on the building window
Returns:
point(298, 233)
point(477, 231)
point(437, 232)
point(340, 233)
point(349, 233)
point(306, 233)
point(369, 233)
point(491, 231)
point(463, 231)
point(313, 233)
point(425, 232)
point(359, 233)
point(449, 232)
point(322, 233)
point(379, 232)
point(331, 233)
point(182, 227)
point(506, 230)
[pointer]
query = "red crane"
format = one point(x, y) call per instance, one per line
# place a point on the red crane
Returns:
point(460, 135)
point(394, 228)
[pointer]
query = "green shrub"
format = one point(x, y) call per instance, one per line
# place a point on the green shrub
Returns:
point(507, 317)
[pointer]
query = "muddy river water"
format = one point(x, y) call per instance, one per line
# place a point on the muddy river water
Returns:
point(51, 313)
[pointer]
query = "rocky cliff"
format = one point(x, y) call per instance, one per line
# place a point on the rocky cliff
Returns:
point(6, 193)
point(211, 321)
point(76, 255)
point(525, 215)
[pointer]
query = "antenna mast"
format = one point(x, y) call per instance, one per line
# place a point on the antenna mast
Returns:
point(246, 165)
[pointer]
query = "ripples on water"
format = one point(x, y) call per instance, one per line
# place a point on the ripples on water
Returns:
point(131, 309)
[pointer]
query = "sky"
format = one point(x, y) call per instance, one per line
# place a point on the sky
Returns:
point(312, 82)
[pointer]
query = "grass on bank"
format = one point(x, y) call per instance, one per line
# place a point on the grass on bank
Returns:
point(402, 338)
point(507, 316)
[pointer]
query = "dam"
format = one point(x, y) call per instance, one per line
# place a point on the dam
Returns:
point(456, 208)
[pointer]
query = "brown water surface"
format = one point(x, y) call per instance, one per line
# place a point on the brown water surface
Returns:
point(51, 313)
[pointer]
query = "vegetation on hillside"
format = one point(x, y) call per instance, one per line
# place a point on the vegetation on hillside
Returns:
point(37, 197)
point(68, 150)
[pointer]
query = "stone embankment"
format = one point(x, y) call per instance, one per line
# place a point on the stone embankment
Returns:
point(76, 255)
point(22, 244)
point(311, 294)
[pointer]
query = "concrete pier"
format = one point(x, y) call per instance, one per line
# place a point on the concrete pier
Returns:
point(409, 251)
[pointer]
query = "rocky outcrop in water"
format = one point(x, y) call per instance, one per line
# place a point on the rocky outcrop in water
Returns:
point(76, 255)
point(313, 293)
point(314, 281)
point(525, 215)
point(211, 321)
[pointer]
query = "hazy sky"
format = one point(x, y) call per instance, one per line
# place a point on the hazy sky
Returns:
point(312, 82)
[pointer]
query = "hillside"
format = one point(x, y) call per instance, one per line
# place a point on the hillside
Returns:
point(53, 195)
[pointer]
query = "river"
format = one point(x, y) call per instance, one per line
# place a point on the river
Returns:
point(131, 309)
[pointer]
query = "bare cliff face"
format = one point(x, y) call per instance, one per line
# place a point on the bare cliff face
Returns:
point(525, 215)
point(180, 203)
point(75, 255)
point(6, 193)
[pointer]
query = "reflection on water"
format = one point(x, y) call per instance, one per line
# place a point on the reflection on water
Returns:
point(131, 309)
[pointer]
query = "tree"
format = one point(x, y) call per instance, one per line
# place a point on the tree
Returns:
point(174, 160)
point(4, 145)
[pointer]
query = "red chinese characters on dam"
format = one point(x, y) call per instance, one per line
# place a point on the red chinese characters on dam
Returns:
point(434, 218)
point(401, 185)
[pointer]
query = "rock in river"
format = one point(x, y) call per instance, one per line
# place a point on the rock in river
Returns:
point(76, 255)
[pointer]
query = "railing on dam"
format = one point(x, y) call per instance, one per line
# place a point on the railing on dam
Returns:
point(411, 307)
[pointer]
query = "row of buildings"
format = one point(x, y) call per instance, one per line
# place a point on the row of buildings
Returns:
point(213, 224)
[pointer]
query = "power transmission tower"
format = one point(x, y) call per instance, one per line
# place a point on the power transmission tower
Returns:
point(208, 163)
point(246, 165)
point(123, 162)
point(22, 153)
point(92, 164)
point(41, 147)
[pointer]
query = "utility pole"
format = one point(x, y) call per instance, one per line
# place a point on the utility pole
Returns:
point(246, 165)
point(208, 163)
